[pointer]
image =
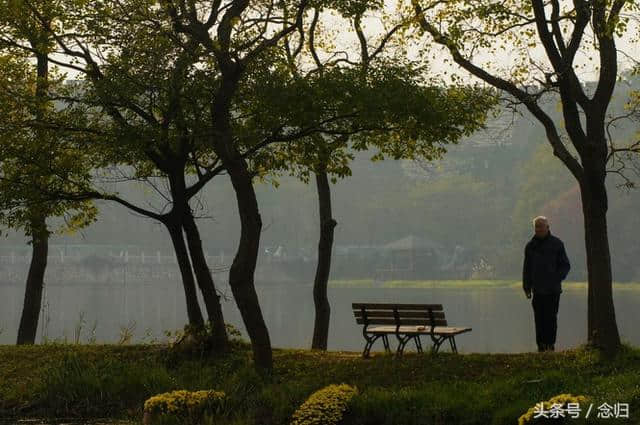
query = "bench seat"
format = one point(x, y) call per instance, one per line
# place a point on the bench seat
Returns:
point(421, 330)
point(407, 322)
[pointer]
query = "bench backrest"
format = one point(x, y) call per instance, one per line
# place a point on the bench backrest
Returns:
point(399, 314)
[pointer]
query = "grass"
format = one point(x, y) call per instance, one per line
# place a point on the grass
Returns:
point(451, 283)
point(467, 284)
point(354, 283)
point(98, 381)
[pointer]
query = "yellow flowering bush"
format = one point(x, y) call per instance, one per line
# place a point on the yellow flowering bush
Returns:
point(560, 399)
point(181, 403)
point(325, 406)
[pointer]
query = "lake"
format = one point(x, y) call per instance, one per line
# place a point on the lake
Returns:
point(501, 318)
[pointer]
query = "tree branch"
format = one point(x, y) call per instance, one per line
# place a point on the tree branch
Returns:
point(559, 150)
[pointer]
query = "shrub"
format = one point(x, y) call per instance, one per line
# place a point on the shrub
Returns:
point(325, 406)
point(182, 403)
point(559, 400)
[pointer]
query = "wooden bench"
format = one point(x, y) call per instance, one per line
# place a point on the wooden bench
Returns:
point(407, 322)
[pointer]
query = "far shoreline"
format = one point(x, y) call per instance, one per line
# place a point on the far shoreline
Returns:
point(460, 284)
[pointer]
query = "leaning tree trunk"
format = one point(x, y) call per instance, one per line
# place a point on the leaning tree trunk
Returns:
point(35, 282)
point(241, 274)
point(602, 328)
point(205, 282)
point(193, 308)
point(321, 301)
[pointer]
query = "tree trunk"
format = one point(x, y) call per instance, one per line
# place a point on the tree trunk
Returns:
point(602, 328)
point(205, 282)
point(590, 298)
point(241, 275)
point(193, 308)
point(243, 267)
point(35, 282)
point(38, 226)
point(325, 245)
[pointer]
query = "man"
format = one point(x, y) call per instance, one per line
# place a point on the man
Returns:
point(545, 266)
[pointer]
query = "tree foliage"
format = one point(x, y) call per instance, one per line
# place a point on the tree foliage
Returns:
point(39, 153)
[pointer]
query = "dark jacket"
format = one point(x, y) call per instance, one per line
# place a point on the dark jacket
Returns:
point(545, 265)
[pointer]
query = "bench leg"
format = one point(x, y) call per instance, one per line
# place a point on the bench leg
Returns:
point(370, 340)
point(452, 342)
point(402, 342)
point(385, 341)
point(418, 343)
point(437, 342)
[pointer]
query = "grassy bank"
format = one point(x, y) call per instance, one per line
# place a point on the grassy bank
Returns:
point(470, 284)
point(91, 381)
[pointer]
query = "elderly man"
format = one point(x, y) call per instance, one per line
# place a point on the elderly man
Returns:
point(545, 266)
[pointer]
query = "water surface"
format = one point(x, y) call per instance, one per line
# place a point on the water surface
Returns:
point(501, 318)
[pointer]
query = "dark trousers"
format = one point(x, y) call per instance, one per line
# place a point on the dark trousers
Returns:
point(545, 312)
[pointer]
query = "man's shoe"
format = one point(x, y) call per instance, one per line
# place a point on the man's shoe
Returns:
point(551, 347)
point(541, 348)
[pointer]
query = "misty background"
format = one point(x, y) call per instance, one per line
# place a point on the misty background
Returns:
point(467, 216)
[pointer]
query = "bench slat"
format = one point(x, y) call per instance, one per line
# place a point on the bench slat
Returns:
point(438, 330)
point(391, 321)
point(401, 313)
point(384, 306)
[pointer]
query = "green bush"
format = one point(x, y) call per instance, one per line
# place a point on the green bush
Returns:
point(182, 405)
point(325, 406)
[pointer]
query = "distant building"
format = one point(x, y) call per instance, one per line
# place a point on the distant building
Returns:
point(411, 257)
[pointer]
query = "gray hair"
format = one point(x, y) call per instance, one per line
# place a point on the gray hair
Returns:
point(541, 218)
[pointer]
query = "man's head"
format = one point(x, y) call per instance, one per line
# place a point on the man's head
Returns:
point(541, 226)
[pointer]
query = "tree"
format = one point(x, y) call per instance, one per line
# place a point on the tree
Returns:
point(223, 68)
point(35, 157)
point(234, 35)
point(466, 28)
point(152, 92)
point(237, 43)
point(141, 100)
point(243, 40)
point(236, 40)
point(393, 111)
